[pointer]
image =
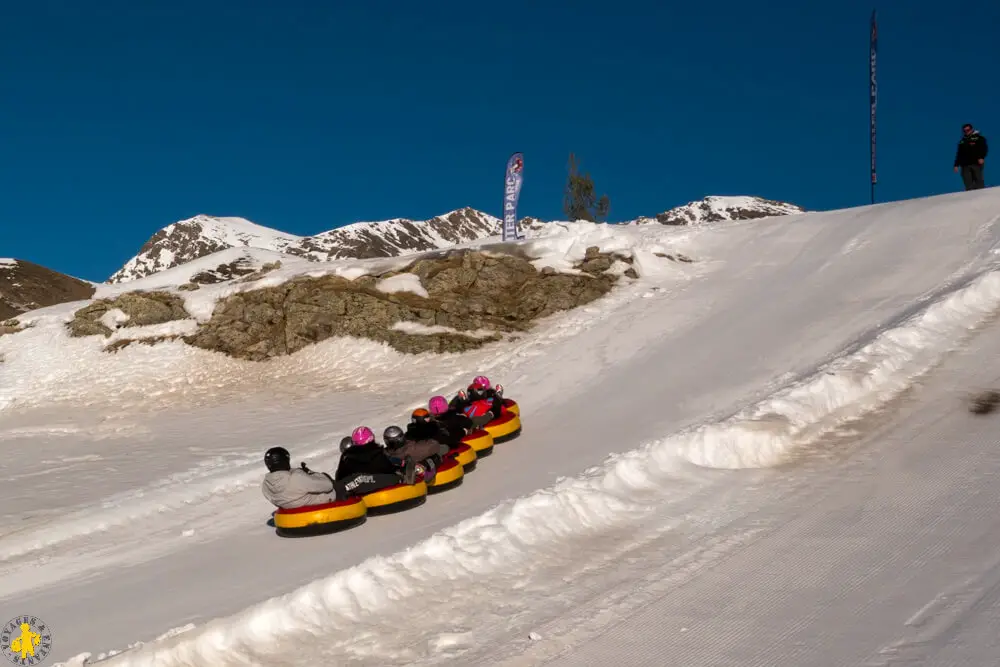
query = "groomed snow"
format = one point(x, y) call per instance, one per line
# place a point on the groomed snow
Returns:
point(638, 409)
point(497, 551)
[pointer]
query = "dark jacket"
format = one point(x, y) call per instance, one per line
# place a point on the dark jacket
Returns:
point(971, 149)
point(424, 440)
point(456, 425)
point(365, 459)
point(423, 430)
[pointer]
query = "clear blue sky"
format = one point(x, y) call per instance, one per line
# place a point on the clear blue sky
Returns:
point(120, 117)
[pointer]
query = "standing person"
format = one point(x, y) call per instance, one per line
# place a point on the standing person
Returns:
point(970, 157)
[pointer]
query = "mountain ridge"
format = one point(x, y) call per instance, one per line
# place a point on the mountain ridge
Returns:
point(192, 238)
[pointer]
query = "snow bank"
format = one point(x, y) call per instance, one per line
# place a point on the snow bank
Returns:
point(519, 544)
point(849, 387)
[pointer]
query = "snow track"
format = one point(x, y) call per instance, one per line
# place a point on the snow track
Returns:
point(781, 332)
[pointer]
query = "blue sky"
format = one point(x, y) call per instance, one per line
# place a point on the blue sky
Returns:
point(120, 117)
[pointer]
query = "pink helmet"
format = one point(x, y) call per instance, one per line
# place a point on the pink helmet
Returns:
point(481, 382)
point(438, 405)
point(362, 436)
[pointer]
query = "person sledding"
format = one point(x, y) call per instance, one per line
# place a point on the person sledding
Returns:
point(365, 465)
point(289, 488)
point(423, 441)
point(480, 401)
point(454, 422)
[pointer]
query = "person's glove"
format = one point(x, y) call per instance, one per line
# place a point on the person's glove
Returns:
point(304, 467)
point(499, 390)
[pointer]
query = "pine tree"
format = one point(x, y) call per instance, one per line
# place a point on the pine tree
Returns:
point(580, 201)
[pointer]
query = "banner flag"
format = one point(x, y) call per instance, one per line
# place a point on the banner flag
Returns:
point(512, 192)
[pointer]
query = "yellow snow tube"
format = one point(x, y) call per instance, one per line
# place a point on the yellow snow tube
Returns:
point(396, 498)
point(449, 475)
point(505, 428)
point(512, 406)
point(481, 441)
point(465, 455)
point(320, 519)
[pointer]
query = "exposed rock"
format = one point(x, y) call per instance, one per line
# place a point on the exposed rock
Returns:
point(675, 258)
point(261, 272)
point(142, 309)
point(984, 403)
point(26, 286)
point(237, 268)
point(466, 291)
point(11, 326)
point(122, 343)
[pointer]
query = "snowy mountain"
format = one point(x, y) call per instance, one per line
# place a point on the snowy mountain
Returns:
point(202, 235)
point(196, 237)
point(718, 209)
point(25, 286)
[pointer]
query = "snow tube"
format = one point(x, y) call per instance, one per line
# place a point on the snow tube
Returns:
point(504, 428)
point(481, 441)
point(320, 519)
point(396, 498)
point(512, 406)
point(449, 475)
point(465, 456)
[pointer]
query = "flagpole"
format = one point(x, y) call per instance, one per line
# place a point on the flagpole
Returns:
point(872, 95)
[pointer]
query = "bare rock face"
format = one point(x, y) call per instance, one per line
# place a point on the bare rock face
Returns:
point(26, 286)
point(466, 291)
point(142, 309)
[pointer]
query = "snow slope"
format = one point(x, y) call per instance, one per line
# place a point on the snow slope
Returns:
point(706, 382)
point(886, 555)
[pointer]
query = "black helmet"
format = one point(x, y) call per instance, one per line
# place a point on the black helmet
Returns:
point(277, 458)
point(345, 443)
point(393, 437)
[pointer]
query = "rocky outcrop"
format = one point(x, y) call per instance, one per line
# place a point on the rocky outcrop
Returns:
point(26, 286)
point(465, 291)
point(464, 300)
point(11, 326)
point(138, 309)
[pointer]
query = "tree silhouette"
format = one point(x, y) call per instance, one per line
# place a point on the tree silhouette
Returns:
point(580, 201)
